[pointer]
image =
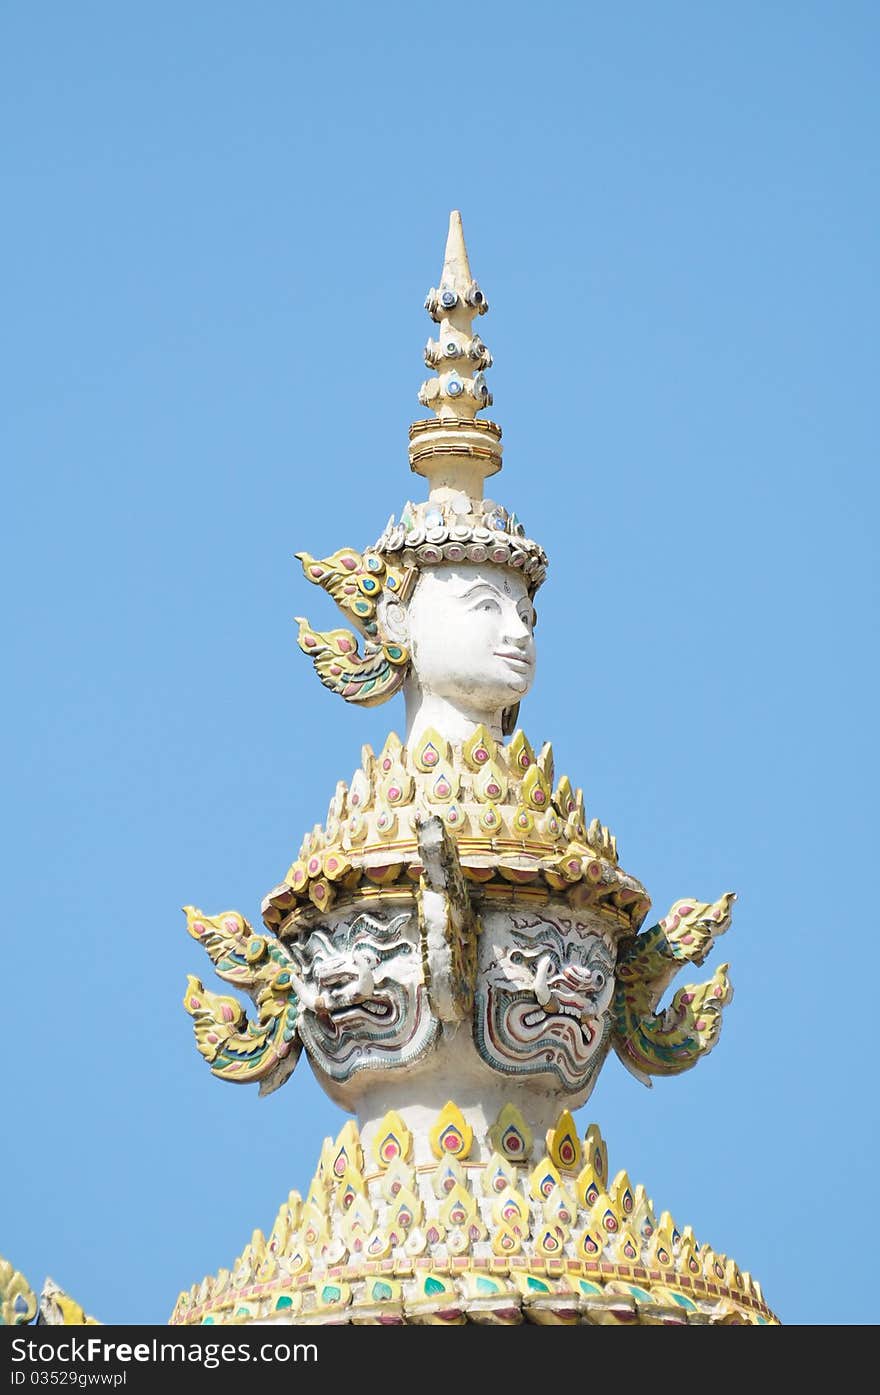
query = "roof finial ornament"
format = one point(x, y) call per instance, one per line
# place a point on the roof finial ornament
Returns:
point(459, 356)
point(455, 451)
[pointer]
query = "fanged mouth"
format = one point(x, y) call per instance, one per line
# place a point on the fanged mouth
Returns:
point(539, 1016)
point(371, 1006)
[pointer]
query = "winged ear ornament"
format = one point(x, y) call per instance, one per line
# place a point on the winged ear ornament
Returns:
point(356, 581)
point(669, 1042)
point(234, 1047)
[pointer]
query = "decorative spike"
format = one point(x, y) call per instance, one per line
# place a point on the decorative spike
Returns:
point(451, 1136)
point(351, 1186)
point(543, 1179)
point(591, 1243)
point(406, 1212)
point(455, 818)
point(279, 1233)
point(563, 1144)
point(687, 1260)
point(459, 1208)
point(431, 752)
point(448, 1174)
point(511, 1209)
point(545, 762)
point(498, 1176)
point(596, 1153)
point(588, 1186)
point(480, 749)
point(338, 803)
point(510, 1135)
point(520, 755)
point(391, 755)
point(379, 1245)
point(506, 1241)
point(626, 1246)
point(443, 789)
point(660, 1249)
point(317, 1195)
point(643, 1218)
point(563, 797)
point(622, 1194)
point(559, 1209)
point(396, 787)
point(392, 1141)
point(550, 1241)
point(535, 792)
point(399, 1177)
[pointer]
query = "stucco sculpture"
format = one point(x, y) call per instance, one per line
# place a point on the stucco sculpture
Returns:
point(457, 950)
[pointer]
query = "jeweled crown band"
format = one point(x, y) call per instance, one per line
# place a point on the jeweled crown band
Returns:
point(458, 529)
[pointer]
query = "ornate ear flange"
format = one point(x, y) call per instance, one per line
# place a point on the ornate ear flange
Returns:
point(356, 581)
point(234, 1047)
point(665, 1043)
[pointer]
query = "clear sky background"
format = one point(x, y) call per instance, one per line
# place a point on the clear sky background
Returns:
point(220, 222)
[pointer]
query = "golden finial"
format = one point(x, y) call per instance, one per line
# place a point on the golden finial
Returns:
point(459, 356)
point(454, 451)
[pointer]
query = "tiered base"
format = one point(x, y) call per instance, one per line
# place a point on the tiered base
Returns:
point(482, 1233)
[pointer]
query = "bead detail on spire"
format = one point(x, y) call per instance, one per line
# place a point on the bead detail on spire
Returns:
point(454, 450)
point(459, 356)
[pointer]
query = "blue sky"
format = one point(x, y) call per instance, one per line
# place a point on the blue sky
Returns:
point(220, 223)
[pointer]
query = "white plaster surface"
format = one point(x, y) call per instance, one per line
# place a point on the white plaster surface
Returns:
point(470, 631)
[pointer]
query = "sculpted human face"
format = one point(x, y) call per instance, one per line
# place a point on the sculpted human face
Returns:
point(471, 635)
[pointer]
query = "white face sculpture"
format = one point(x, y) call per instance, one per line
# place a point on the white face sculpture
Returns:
point(364, 1005)
point(470, 632)
point(544, 997)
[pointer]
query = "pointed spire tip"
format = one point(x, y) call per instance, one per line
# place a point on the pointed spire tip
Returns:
point(456, 271)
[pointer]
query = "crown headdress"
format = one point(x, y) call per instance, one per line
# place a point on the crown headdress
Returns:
point(455, 452)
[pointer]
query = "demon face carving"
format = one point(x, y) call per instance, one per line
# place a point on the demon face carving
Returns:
point(364, 1005)
point(545, 990)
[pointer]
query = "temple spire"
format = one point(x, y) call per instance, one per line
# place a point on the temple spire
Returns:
point(456, 268)
point(456, 452)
